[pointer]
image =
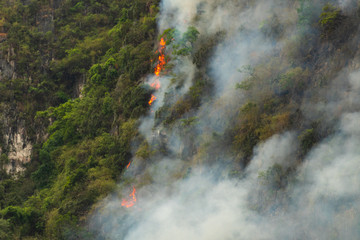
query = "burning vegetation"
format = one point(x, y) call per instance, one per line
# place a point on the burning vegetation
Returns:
point(130, 201)
point(156, 85)
point(158, 69)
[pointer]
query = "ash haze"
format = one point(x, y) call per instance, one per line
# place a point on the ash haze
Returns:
point(196, 197)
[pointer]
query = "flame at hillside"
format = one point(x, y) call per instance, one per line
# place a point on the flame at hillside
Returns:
point(159, 67)
point(153, 98)
point(156, 85)
point(131, 201)
point(161, 59)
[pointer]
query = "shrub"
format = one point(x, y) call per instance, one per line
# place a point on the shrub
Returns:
point(330, 20)
point(5, 230)
point(307, 139)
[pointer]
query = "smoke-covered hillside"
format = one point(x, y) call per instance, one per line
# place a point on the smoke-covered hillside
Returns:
point(180, 119)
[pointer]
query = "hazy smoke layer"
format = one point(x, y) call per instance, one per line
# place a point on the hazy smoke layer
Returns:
point(323, 203)
point(322, 197)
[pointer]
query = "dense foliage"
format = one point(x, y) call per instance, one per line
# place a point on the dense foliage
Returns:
point(58, 47)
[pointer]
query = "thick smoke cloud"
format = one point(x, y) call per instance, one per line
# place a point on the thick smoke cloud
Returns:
point(323, 204)
point(342, 95)
point(176, 200)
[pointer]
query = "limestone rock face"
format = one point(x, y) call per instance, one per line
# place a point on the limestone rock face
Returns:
point(7, 66)
point(14, 138)
point(20, 150)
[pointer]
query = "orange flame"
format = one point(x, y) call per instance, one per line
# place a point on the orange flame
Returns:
point(153, 98)
point(159, 67)
point(162, 42)
point(156, 84)
point(131, 201)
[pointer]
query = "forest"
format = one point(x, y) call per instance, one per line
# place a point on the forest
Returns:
point(151, 119)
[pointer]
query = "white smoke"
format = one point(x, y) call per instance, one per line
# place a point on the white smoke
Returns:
point(324, 203)
point(329, 102)
point(279, 149)
point(347, 5)
point(176, 200)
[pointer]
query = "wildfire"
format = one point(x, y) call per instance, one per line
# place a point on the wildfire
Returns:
point(159, 67)
point(153, 98)
point(131, 201)
point(161, 60)
point(156, 84)
point(162, 42)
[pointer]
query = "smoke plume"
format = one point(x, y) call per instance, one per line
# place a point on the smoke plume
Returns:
point(275, 196)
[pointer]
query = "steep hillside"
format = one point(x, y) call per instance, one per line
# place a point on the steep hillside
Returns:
point(186, 119)
point(71, 91)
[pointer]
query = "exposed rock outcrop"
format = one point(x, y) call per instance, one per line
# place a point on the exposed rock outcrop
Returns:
point(7, 66)
point(14, 140)
point(20, 150)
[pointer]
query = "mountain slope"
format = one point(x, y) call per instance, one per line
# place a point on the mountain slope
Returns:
point(165, 120)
